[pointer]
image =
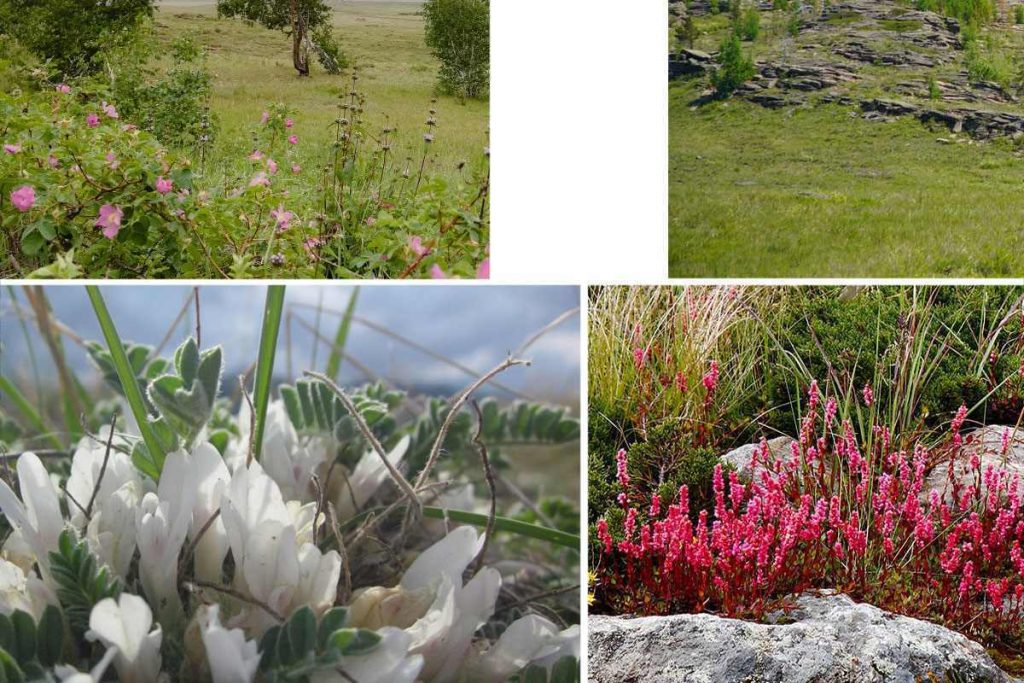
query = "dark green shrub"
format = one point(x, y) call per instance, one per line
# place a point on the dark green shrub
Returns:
point(734, 69)
point(458, 34)
point(72, 34)
point(1018, 14)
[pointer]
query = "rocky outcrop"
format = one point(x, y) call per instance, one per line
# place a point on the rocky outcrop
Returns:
point(689, 63)
point(826, 638)
point(987, 444)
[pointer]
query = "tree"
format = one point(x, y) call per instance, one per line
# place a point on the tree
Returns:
point(308, 22)
point(72, 34)
point(734, 68)
point(458, 34)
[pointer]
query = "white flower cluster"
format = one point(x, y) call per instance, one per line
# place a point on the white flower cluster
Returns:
point(426, 623)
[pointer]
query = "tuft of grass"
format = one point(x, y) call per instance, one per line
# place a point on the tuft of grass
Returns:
point(265, 363)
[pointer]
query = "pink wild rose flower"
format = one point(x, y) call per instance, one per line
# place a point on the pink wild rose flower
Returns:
point(163, 185)
point(23, 198)
point(436, 273)
point(12, 149)
point(92, 120)
point(110, 220)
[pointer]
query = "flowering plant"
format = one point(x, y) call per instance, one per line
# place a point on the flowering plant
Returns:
point(85, 192)
point(945, 546)
point(302, 539)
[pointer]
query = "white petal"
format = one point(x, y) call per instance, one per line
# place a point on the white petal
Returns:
point(125, 624)
point(232, 658)
point(448, 557)
point(389, 662)
point(367, 477)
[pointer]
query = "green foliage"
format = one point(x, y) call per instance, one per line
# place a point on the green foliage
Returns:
point(28, 649)
point(458, 34)
point(186, 397)
point(748, 25)
point(934, 92)
point(1018, 14)
point(734, 69)
point(986, 63)
point(714, 6)
point(81, 581)
point(17, 64)
point(174, 105)
point(966, 11)
point(314, 409)
point(298, 648)
point(306, 21)
point(73, 35)
point(565, 670)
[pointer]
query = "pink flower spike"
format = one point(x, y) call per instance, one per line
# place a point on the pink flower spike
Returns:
point(163, 185)
point(110, 220)
point(92, 120)
point(483, 271)
point(12, 149)
point(288, 123)
point(283, 218)
point(293, 139)
point(264, 118)
point(23, 198)
point(109, 110)
point(256, 155)
point(296, 169)
point(272, 166)
point(260, 179)
point(436, 273)
point(64, 88)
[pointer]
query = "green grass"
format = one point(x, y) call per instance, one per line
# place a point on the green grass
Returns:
point(251, 67)
point(814, 192)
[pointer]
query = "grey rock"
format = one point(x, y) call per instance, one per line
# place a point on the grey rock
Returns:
point(741, 458)
point(826, 638)
point(986, 443)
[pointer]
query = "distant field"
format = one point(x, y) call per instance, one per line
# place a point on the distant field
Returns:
point(251, 67)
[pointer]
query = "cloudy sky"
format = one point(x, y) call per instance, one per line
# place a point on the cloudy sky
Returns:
point(476, 326)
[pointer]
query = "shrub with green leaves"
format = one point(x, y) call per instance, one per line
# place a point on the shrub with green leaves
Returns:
point(734, 68)
point(458, 34)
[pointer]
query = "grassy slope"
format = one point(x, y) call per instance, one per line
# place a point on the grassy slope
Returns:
point(817, 192)
point(251, 67)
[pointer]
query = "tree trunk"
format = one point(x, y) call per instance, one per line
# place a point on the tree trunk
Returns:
point(300, 56)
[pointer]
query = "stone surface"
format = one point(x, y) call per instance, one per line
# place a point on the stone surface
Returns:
point(987, 444)
point(740, 458)
point(826, 638)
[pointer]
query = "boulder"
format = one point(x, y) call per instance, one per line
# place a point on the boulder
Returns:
point(740, 458)
point(826, 638)
point(987, 443)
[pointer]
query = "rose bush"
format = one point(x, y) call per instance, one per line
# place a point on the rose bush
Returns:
point(84, 192)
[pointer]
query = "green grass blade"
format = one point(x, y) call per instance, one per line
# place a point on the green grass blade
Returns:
point(334, 360)
point(30, 413)
point(265, 361)
point(513, 526)
point(129, 384)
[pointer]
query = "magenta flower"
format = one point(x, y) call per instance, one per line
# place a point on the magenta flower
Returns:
point(272, 166)
point(436, 273)
point(260, 179)
point(110, 220)
point(264, 118)
point(54, 161)
point(64, 88)
point(112, 160)
point(293, 139)
point(92, 120)
point(24, 198)
point(283, 218)
point(109, 110)
point(483, 271)
point(256, 155)
point(416, 245)
point(288, 123)
point(12, 149)
point(163, 185)
point(296, 168)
